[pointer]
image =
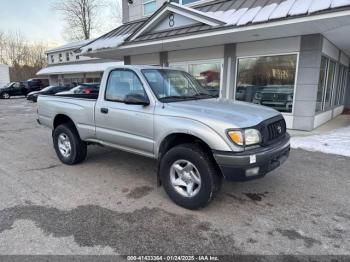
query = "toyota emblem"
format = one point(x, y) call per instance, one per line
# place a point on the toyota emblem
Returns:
point(279, 129)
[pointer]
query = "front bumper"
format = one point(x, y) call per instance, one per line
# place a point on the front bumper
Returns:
point(254, 163)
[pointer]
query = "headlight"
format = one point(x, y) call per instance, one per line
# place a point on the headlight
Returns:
point(252, 137)
point(246, 137)
point(258, 96)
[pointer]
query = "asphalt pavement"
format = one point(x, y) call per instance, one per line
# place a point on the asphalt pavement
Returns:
point(110, 204)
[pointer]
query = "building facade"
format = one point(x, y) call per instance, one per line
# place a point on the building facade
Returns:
point(4, 75)
point(66, 67)
point(292, 55)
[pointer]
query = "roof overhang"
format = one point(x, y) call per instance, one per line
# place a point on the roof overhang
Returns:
point(77, 68)
point(334, 25)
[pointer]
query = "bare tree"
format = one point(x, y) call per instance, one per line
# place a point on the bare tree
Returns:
point(115, 7)
point(2, 47)
point(24, 58)
point(17, 49)
point(80, 16)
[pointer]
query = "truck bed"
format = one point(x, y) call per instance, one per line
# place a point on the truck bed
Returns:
point(86, 96)
point(79, 107)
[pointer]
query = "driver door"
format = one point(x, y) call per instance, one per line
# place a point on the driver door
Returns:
point(16, 89)
point(128, 127)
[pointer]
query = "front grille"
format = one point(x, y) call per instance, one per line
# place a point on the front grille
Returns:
point(273, 129)
point(274, 97)
point(276, 129)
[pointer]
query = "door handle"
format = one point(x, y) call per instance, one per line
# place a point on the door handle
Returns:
point(104, 110)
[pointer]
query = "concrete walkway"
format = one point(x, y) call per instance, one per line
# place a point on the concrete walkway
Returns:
point(336, 123)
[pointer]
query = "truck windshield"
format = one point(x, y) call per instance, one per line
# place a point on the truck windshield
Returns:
point(174, 85)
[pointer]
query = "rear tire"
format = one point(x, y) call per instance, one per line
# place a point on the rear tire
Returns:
point(70, 149)
point(189, 165)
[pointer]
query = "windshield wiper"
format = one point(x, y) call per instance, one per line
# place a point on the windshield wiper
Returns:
point(178, 98)
point(204, 94)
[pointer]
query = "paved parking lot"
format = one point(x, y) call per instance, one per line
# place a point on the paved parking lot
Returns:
point(110, 204)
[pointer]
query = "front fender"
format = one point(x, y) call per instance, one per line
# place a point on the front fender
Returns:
point(177, 125)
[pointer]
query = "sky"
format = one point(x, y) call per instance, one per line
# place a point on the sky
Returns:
point(35, 19)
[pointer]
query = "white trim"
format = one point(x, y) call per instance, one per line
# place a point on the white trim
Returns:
point(175, 8)
point(242, 29)
point(337, 111)
point(198, 2)
point(322, 118)
point(273, 54)
point(289, 120)
point(228, 76)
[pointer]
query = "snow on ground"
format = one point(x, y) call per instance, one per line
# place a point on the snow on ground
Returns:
point(336, 142)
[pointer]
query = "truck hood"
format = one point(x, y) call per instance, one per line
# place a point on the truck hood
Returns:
point(234, 114)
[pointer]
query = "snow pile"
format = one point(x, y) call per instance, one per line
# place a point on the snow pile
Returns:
point(104, 43)
point(285, 8)
point(320, 5)
point(249, 16)
point(73, 45)
point(336, 142)
point(340, 3)
point(265, 13)
point(301, 7)
point(282, 9)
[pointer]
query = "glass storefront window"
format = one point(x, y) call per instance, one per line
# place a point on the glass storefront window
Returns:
point(321, 84)
point(208, 74)
point(344, 85)
point(267, 80)
point(339, 87)
point(330, 85)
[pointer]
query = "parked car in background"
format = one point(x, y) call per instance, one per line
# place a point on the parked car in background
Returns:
point(277, 97)
point(12, 89)
point(50, 90)
point(35, 84)
point(83, 89)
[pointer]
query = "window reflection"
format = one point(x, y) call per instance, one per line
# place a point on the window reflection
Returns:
point(267, 80)
point(207, 74)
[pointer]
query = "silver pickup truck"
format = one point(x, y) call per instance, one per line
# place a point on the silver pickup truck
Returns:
point(166, 114)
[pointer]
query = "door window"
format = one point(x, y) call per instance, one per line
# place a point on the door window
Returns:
point(121, 83)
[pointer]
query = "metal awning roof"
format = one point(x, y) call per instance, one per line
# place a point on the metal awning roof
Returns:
point(233, 14)
point(77, 68)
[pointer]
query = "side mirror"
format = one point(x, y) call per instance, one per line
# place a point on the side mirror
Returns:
point(136, 99)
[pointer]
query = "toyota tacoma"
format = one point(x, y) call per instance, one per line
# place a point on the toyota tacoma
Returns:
point(198, 139)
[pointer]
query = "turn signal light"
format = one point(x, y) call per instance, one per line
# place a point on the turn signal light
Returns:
point(236, 137)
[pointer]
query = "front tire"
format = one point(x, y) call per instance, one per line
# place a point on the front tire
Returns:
point(70, 149)
point(5, 95)
point(190, 176)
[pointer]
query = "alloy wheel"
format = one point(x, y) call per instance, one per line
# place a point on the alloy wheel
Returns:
point(64, 145)
point(185, 178)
